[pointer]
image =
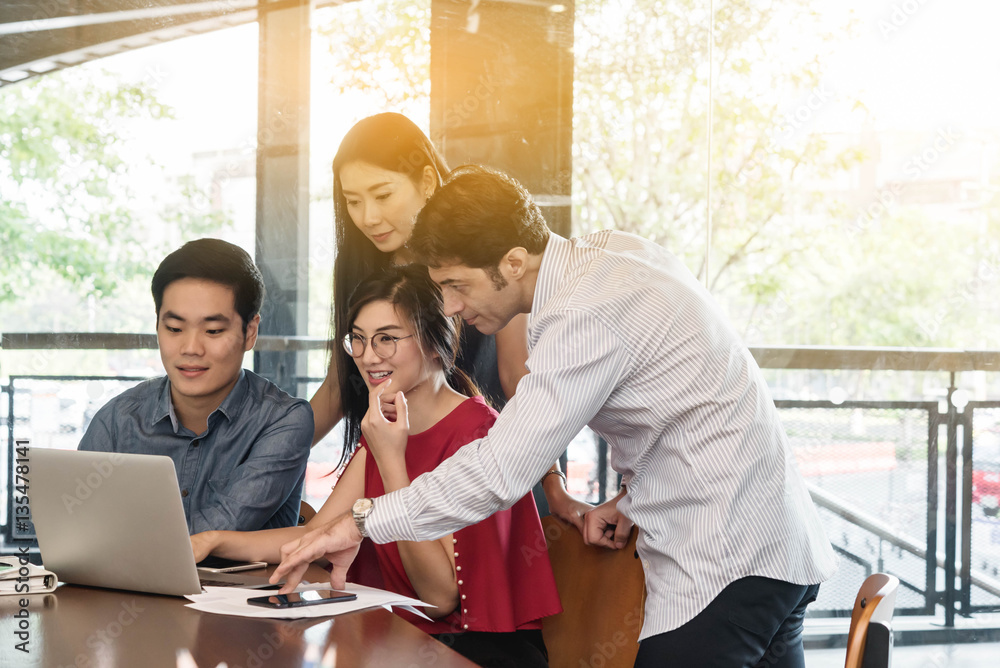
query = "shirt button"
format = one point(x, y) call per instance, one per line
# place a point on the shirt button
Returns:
point(465, 611)
point(195, 444)
point(460, 582)
point(184, 492)
point(454, 541)
point(458, 568)
point(456, 554)
point(466, 627)
point(463, 597)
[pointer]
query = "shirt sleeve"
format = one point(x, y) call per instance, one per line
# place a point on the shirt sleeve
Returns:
point(576, 364)
point(263, 482)
point(99, 436)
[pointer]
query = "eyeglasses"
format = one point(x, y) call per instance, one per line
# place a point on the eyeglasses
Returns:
point(383, 345)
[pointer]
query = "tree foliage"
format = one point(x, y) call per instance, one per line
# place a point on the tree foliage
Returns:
point(67, 205)
point(788, 260)
point(378, 54)
point(641, 133)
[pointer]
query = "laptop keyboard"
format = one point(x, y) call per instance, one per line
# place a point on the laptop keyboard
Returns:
point(205, 582)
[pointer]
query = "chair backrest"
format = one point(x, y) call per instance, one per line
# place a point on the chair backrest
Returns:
point(306, 513)
point(871, 619)
point(602, 593)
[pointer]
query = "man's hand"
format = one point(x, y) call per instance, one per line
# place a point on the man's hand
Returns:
point(607, 527)
point(337, 540)
point(203, 543)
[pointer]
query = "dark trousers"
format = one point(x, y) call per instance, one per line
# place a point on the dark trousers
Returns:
point(755, 622)
point(518, 649)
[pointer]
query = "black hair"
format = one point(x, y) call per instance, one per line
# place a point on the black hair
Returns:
point(475, 218)
point(217, 261)
point(418, 300)
point(390, 141)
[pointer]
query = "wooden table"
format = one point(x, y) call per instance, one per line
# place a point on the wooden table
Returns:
point(87, 627)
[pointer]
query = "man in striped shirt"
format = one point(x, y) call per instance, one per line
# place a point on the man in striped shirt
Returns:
point(624, 339)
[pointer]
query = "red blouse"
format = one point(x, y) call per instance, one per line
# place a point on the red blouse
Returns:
point(505, 581)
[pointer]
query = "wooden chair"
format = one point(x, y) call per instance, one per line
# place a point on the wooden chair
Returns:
point(602, 593)
point(869, 641)
point(306, 513)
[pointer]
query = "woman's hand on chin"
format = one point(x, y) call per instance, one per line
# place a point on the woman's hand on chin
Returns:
point(386, 438)
point(387, 404)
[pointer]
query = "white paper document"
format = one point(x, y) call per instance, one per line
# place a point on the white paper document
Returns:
point(233, 601)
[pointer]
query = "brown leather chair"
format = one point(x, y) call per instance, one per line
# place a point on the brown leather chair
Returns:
point(869, 640)
point(602, 593)
point(306, 513)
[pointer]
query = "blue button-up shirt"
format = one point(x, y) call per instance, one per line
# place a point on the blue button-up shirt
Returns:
point(244, 473)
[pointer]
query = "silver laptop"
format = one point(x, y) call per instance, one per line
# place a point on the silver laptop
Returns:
point(113, 520)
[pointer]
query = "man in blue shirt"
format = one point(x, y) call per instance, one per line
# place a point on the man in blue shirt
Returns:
point(239, 443)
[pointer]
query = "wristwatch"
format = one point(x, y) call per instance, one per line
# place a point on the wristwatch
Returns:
point(361, 509)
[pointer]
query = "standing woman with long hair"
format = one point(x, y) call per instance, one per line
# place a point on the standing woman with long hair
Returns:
point(384, 171)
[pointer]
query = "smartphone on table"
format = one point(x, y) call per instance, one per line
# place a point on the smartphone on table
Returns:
point(220, 565)
point(302, 599)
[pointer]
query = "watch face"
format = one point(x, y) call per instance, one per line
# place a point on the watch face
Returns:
point(362, 505)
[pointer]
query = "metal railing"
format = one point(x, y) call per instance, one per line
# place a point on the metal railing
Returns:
point(116, 341)
point(943, 522)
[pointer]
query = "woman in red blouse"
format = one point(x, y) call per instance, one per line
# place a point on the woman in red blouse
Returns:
point(490, 584)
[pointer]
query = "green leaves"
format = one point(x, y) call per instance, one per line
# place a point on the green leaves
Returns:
point(379, 52)
point(67, 207)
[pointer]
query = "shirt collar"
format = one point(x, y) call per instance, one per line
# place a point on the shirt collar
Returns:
point(229, 407)
point(163, 407)
point(555, 257)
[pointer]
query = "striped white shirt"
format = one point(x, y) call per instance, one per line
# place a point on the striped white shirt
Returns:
point(624, 339)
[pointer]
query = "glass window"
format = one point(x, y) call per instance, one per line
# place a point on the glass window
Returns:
point(827, 168)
